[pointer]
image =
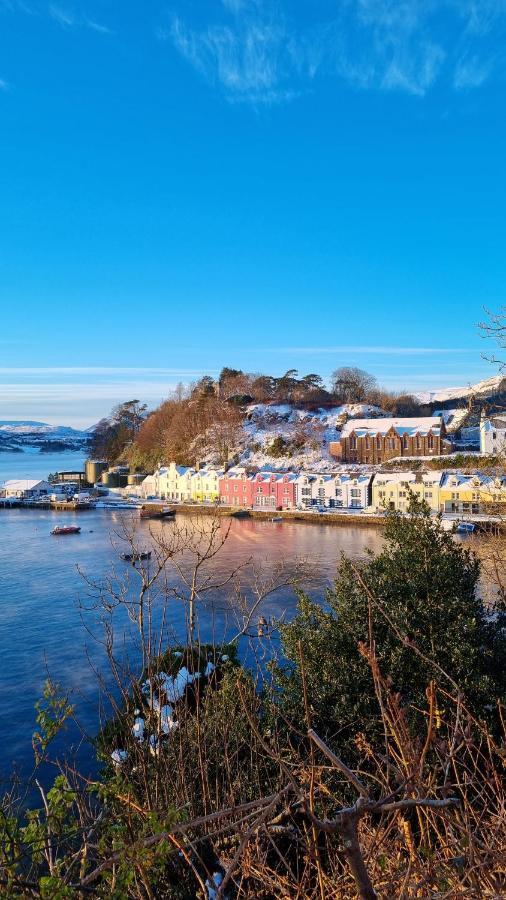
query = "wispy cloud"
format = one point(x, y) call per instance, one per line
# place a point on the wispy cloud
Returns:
point(380, 350)
point(253, 51)
point(246, 57)
point(4, 85)
point(69, 18)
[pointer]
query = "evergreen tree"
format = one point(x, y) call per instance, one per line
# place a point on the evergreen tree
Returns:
point(422, 591)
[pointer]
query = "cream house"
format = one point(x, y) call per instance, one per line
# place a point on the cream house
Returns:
point(175, 482)
point(393, 490)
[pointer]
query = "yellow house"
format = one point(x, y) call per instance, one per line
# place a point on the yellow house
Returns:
point(205, 485)
point(174, 482)
point(393, 490)
point(475, 493)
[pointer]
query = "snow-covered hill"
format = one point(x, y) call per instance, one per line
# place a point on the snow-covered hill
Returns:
point(23, 427)
point(483, 389)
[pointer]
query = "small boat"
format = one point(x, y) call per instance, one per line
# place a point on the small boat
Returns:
point(135, 557)
point(157, 512)
point(466, 527)
point(277, 519)
point(66, 529)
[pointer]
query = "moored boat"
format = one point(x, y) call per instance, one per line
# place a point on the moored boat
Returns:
point(135, 557)
point(154, 511)
point(66, 529)
point(466, 527)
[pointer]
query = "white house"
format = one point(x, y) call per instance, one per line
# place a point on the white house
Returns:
point(26, 489)
point(175, 482)
point(149, 486)
point(340, 491)
point(493, 435)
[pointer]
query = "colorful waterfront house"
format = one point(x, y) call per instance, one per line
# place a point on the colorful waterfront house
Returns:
point(373, 441)
point(205, 485)
point(274, 490)
point(236, 488)
point(493, 436)
point(393, 490)
point(174, 483)
point(306, 490)
point(335, 490)
point(472, 494)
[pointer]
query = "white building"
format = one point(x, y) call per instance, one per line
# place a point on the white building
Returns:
point(26, 489)
point(340, 491)
point(149, 486)
point(493, 435)
point(174, 482)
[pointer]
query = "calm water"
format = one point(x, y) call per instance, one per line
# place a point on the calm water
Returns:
point(43, 631)
point(33, 464)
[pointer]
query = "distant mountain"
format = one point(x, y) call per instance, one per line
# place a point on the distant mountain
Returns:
point(27, 427)
point(491, 389)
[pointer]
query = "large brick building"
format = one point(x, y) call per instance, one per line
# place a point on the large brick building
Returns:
point(372, 441)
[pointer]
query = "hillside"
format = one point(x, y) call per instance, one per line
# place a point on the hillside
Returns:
point(262, 421)
point(491, 389)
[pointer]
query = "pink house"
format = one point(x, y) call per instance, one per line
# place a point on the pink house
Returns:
point(275, 491)
point(236, 488)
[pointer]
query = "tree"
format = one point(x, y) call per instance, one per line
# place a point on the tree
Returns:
point(417, 604)
point(285, 385)
point(352, 385)
point(262, 388)
point(205, 387)
point(129, 415)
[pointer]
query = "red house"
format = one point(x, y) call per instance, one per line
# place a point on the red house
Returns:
point(236, 488)
point(275, 491)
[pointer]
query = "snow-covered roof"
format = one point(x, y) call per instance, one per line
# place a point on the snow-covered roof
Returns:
point(476, 479)
point(496, 423)
point(420, 425)
point(384, 478)
point(24, 484)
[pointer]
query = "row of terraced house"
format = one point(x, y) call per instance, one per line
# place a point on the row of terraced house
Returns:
point(447, 492)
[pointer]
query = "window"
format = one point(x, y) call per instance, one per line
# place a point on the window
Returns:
point(431, 441)
point(353, 442)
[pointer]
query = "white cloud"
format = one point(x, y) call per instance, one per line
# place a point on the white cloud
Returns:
point(256, 53)
point(246, 57)
point(382, 350)
point(69, 19)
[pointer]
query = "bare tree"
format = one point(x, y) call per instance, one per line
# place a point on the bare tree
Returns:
point(352, 385)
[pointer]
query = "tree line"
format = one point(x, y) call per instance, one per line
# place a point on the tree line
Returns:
point(207, 416)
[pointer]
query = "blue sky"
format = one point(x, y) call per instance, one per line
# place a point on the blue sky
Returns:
point(267, 185)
